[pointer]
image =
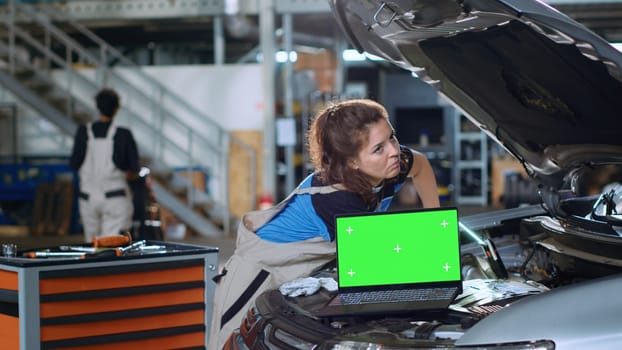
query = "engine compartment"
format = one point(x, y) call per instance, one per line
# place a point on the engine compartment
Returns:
point(538, 252)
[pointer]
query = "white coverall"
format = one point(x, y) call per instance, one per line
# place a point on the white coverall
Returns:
point(258, 265)
point(105, 199)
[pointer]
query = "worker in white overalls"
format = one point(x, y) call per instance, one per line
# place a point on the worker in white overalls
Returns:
point(106, 157)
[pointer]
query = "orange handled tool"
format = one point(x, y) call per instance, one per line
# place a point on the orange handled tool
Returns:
point(111, 241)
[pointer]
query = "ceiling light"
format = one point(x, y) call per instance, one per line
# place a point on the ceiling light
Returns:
point(280, 56)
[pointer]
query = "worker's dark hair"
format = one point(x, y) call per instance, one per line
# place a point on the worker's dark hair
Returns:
point(336, 136)
point(107, 101)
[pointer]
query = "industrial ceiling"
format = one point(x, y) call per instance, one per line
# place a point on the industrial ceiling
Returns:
point(188, 25)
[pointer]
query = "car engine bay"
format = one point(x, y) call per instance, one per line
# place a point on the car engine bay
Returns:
point(508, 256)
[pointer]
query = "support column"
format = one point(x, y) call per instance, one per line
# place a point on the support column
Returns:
point(268, 48)
point(219, 40)
point(288, 28)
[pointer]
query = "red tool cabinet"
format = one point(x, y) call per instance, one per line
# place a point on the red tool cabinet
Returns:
point(154, 300)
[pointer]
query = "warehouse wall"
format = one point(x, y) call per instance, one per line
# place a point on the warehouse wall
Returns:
point(232, 94)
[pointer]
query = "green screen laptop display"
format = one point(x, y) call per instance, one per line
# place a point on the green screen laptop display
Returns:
point(378, 249)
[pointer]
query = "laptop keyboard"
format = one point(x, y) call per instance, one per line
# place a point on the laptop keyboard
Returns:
point(399, 295)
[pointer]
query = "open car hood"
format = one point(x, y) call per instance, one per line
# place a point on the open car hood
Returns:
point(539, 83)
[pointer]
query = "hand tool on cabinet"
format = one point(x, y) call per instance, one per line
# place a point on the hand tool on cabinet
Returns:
point(111, 241)
point(134, 246)
point(84, 249)
point(49, 254)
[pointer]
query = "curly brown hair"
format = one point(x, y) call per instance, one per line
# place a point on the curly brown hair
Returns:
point(336, 136)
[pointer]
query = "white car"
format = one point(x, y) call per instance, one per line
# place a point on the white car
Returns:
point(549, 91)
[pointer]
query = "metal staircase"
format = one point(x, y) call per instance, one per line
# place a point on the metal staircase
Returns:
point(59, 77)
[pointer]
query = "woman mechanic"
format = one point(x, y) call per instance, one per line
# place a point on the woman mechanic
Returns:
point(359, 166)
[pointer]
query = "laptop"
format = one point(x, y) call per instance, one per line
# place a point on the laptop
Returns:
point(394, 262)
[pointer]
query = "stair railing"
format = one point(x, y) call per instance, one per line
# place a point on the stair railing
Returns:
point(166, 128)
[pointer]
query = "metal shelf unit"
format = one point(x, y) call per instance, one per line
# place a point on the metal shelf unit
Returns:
point(470, 169)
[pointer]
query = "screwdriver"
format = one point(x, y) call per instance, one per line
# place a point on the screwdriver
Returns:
point(44, 254)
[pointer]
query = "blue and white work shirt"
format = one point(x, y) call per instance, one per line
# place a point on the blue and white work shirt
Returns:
point(307, 216)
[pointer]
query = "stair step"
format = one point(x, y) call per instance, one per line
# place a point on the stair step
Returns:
point(40, 87)
point(58, 102)
point(82, 117)
point(24, 74)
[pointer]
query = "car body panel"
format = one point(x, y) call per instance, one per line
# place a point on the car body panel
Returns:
point(595, 305)
point(539, 83)
point(548, 90)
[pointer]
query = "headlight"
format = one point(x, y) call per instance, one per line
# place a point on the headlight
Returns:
point(249, 328)
point(350, 345)
point(280, 339)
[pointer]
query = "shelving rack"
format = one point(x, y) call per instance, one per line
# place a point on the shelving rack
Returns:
point(470, 163)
